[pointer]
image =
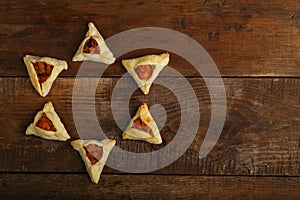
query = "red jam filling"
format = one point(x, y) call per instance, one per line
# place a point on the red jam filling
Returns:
point(144, 72)
point(91, 46)
point(43, 70)
point(45, 123)
point(94, 152)
point(140, 125)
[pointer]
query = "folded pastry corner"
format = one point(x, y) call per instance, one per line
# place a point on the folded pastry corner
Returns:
point(94, 155)
point(43, 71)
point(48, 125)
point(93, 48)
point(143, 127)
point(144, 70)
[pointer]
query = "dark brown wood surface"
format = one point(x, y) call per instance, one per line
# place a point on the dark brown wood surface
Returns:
point(61, 186)
point(254, 141)
point(256, 47)
point(244, 38)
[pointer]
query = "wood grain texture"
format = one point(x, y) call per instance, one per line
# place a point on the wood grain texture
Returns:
point(261, 134)
point(78, 186)
point(244, 38)
point(255, 45)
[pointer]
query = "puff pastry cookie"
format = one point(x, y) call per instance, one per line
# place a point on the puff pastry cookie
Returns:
point(93, 48)
point(94, 154)
point(145, 69)
point(47, 125)
point(143, 127)
point(43, 71)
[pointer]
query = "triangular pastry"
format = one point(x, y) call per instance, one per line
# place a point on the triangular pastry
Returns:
point(48, 125)
point(143, 127)
point(144, 70)
point(43, 71)
point(94, 154)
point(93, 48)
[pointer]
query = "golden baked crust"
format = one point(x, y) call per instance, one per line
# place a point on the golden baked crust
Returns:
point(93, 48)
point(144, 70)
point(43, 87)
point(94, 168)
point(143, 127)
point(58, 133)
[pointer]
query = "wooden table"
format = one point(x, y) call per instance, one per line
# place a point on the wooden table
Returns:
point(256, 46)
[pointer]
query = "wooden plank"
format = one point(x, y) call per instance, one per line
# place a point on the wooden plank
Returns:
point(261, 134)
point(244, 38)
point(74, 186)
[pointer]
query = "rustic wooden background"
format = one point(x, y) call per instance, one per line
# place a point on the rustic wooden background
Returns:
point(256, 46)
